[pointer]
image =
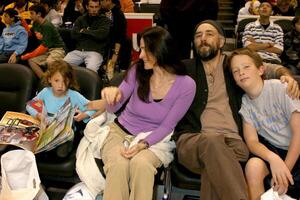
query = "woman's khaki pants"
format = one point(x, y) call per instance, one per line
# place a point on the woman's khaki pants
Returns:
point(131, 179)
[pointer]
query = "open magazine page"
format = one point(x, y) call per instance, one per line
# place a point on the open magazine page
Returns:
point(60, 126)
point(65, 135)
point(19, 129)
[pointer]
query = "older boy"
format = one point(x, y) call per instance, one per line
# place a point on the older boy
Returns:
point(51, 46)
point(270, 124)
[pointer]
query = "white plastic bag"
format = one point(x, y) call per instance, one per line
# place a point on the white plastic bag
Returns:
point(20, 179)
point(272, 195)
point(78, 192)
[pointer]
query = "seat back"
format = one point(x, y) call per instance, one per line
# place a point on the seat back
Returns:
point(240, 30)
point(60, 171)
point(89, 82)
point(16, 87)
point(285, 24)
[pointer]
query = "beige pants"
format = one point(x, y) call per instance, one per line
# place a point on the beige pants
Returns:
point(216, 157)
point(52, 55)
point(127, 179)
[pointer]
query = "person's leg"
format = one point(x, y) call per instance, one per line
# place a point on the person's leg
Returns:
point(255, 172)
point(142, 171)
point(74, 57)
point(225, 175)
point(93, 60)
point(35, 67)
point(55, 54)
point(116, 167)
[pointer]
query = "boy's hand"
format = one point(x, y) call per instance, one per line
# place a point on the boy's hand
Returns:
point(292, 87)
point(280, 189)
point(12, 58)
point(281, 175)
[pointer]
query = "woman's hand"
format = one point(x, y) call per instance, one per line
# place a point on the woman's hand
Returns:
point(292, 87)
point(132, 151)
point(281, 175)
point(111, 95)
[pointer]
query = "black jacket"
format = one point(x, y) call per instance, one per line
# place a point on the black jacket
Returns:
point(95, 36)
point(190, 123)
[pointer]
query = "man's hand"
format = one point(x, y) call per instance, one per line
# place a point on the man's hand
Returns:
point(292, 87)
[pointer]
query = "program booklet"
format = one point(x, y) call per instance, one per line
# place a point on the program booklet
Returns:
point(25, 131)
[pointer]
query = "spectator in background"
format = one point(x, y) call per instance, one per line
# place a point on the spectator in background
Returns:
point(127, 6)
point(14, 38)
point(251, 8)
point(22, 6)
point(91, 33)
point(264, 36)
point(284, 8)
point(51, 46)
point(291, 54)
point(73, 10)
point(2, 25)
point(52, 15)
point(181, 18)
point(112, 10)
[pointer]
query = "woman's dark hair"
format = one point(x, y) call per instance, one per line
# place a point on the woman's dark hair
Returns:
point(161, 45)
point(12, 13)
point(295, 20)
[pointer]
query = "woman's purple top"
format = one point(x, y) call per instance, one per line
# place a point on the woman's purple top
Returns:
point(159, 117)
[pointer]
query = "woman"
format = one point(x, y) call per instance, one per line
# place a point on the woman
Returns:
point(14, 38)
point(159, 93)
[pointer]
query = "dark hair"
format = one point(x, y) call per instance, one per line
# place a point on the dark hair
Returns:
point(12, 13)
point(38, 8)
point(50, 3)
point(295, 20)
point(161, 45)
point(65, 70)
point(88, 1)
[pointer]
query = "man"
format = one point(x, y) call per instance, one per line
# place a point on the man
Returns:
point(51, 47)
point(284, 8)
point(91, 33)
point(208, 138)
point(264, 36)
point(181, 17)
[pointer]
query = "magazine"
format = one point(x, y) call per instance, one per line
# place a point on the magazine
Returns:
point(29, 133)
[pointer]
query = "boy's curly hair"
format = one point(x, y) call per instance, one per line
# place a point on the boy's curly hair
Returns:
point(65, 70)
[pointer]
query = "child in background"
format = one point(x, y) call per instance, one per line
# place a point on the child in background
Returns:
point(14, 38)
point(60, 81)
point(271, 126)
